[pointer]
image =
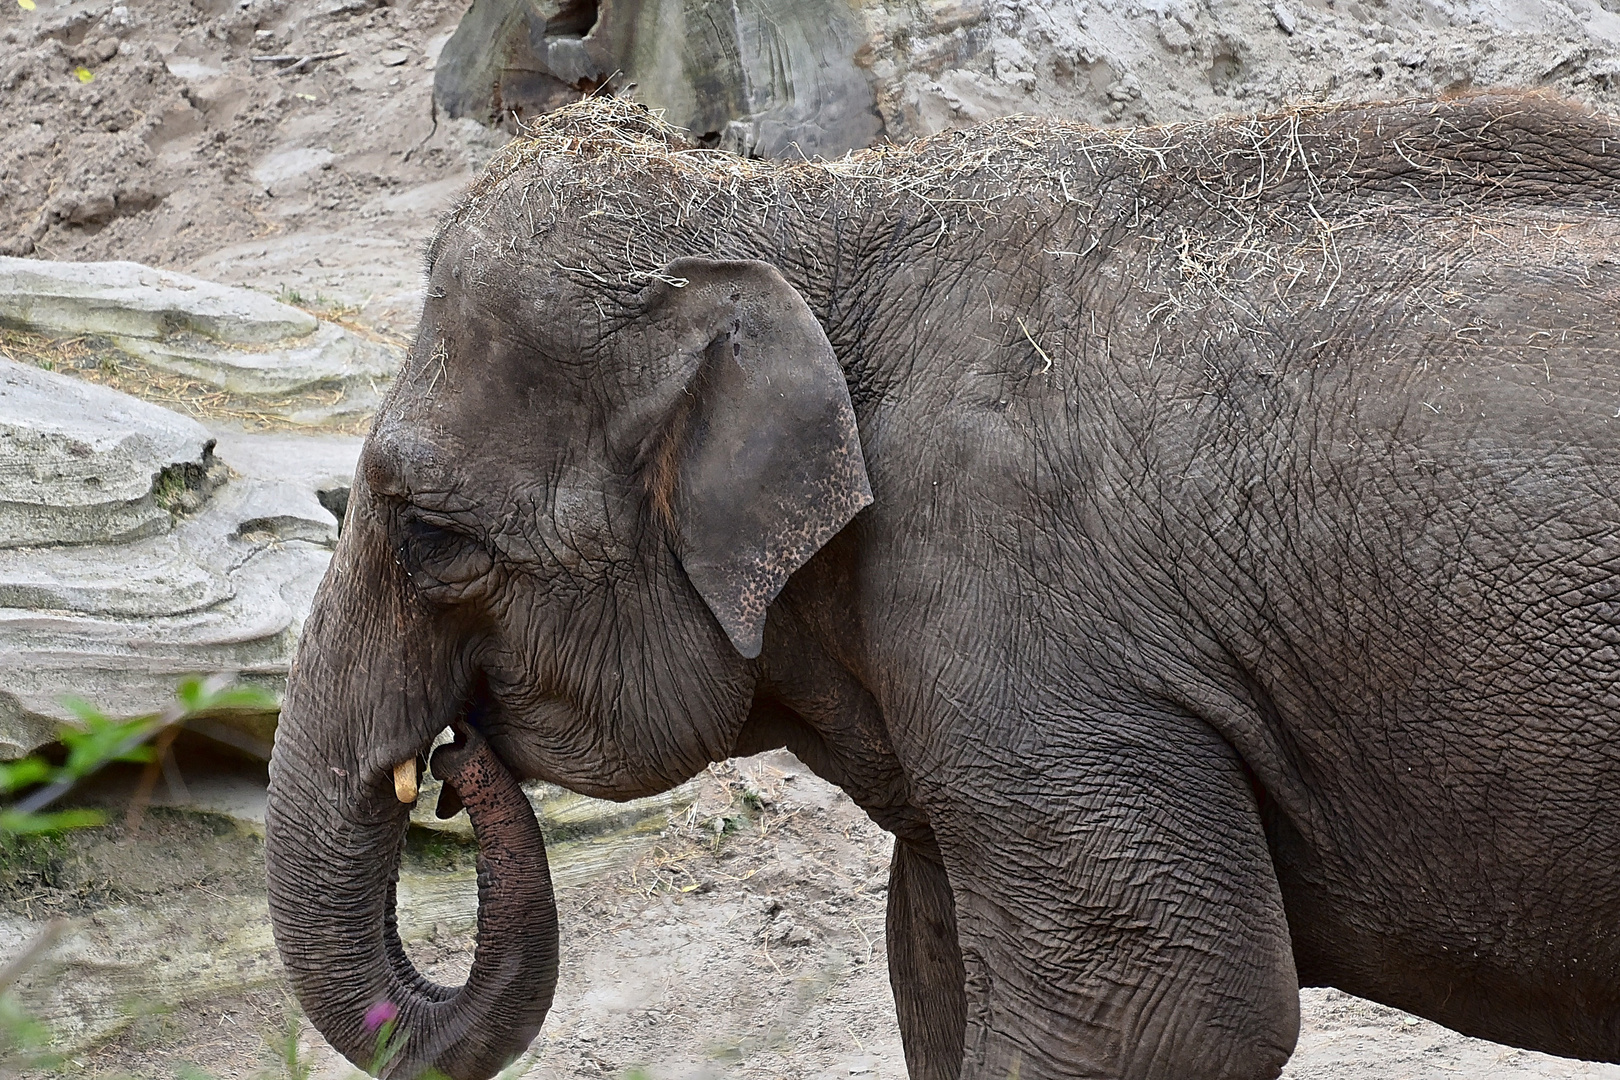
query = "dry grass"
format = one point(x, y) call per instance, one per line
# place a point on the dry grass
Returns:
point(732, 801)
point(340, 313)
point(1219, 204)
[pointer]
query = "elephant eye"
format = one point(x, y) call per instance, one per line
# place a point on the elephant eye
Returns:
point(436, 555)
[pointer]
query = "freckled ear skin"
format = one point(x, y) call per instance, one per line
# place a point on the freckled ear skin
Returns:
point(763, 461)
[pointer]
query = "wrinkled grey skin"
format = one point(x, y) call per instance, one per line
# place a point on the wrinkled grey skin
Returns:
point(1234, 605)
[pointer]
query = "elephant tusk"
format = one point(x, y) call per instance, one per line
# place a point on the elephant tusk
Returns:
point(405, 788)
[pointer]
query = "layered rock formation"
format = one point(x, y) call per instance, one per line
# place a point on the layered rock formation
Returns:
point(136, 549)
point(762, 77)
point(773, 77)
point(236, 339)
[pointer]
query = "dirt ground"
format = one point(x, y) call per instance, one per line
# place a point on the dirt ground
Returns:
point(743, 938)
point(182, 152)
point(754, 951)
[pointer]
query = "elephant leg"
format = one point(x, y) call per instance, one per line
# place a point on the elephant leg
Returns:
point(925, 964)
point(1117, 907)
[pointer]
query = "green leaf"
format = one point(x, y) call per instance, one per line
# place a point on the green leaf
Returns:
point(87, 713)
point(12, 821)
point(388, 1047)
point(193, 694)
point(89, 750)
point(101, 740)
point(18, 1030)
point(25, 772)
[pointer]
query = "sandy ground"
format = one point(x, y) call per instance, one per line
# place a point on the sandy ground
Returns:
point(181, 151)
point(753, 952)
point(742, 939)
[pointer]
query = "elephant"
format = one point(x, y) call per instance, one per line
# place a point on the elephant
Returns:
point(1197, 545)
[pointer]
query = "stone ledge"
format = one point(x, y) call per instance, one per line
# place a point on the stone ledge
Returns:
point(132, 300)
point(120, 619)
point(82, 464)
point(235, 339)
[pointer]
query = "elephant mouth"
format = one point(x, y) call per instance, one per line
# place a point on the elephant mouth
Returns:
point(469, 763)
point(338, 933)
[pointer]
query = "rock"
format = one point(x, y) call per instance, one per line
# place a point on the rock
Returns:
point(142, 597)
point(777, 77)
point(122, 299)
point(283, 165)
point(329, 355)
point(760, 77)
point(82, 464)
point(236, 339)
point(1174, 35)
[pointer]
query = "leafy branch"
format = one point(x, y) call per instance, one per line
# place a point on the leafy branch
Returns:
point(103, 740)
point(97, 743)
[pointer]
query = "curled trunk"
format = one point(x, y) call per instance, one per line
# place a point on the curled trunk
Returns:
point(332, 851)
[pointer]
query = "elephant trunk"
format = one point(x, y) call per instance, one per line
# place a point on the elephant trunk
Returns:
point(332, 852)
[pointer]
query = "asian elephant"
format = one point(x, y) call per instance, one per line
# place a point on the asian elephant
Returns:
point(1198, 545)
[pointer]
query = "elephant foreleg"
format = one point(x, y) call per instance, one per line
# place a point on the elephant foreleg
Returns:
point(925, 964)
point(1117, 909)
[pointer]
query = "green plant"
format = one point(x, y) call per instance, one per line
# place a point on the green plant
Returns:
point(169, 486)
point(27, 828)
point(320, 304)
point(19, 1032)
point(101, 741)
point(383, 1018)
point(284, 1043)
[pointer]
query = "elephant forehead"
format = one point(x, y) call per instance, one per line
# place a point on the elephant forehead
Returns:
point(427, 465)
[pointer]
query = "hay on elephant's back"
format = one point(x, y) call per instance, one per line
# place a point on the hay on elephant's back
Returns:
point(608, 138)
point(1231, 187)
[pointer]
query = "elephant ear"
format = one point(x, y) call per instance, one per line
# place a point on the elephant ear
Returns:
point(761, 463)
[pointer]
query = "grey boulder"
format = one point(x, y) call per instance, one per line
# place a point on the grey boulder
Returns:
point(202, 557)
point(82, 464)
point(761, 77)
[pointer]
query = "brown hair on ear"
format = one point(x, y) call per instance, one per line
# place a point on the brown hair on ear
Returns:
point(661, 472)
point(760, 464)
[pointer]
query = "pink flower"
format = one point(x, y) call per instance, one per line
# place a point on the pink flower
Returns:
point(379, 1014)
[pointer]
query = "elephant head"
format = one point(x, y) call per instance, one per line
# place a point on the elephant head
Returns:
point(568, 523)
